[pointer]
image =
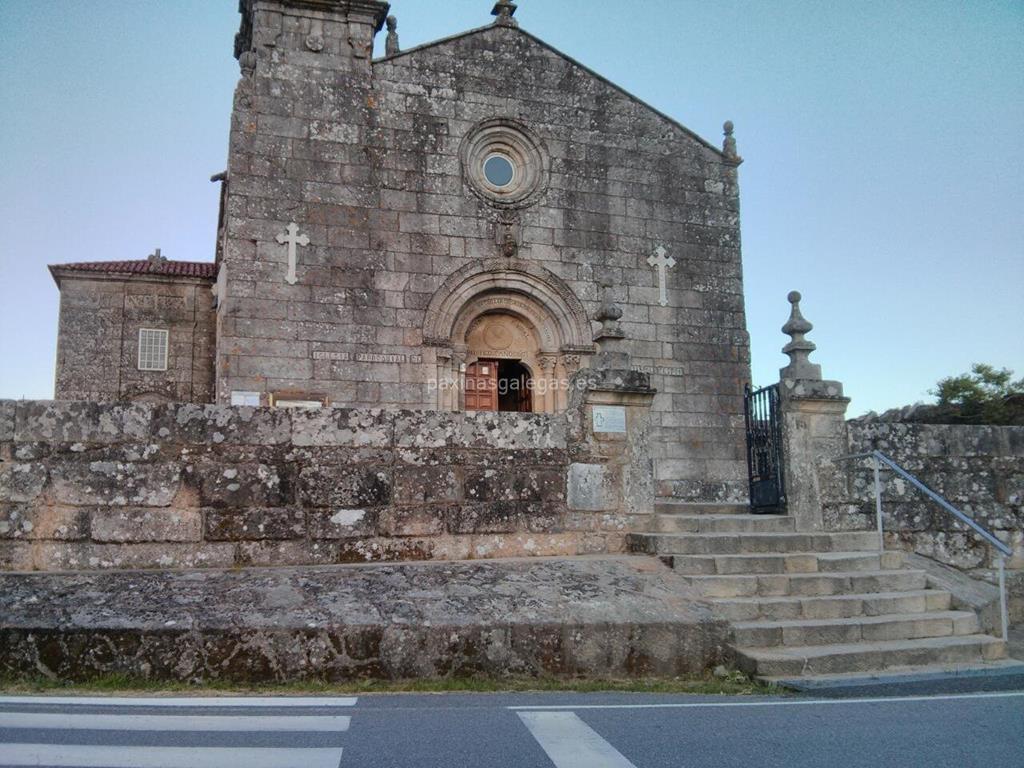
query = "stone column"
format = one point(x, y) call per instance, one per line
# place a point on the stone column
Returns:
point(612, 403)
point(813, 415)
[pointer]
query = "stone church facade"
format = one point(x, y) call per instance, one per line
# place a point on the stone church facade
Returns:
point(437, 229)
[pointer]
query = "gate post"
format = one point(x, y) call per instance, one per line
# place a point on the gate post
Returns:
point(611, 408)
point(813, 426)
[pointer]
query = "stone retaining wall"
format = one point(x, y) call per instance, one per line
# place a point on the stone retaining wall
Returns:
point(604, 616)
point(95, 486)
point(979, 469)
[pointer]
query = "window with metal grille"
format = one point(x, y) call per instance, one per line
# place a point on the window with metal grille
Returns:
point(152, 349)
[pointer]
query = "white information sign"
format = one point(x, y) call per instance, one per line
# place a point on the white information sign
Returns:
point(609, 418)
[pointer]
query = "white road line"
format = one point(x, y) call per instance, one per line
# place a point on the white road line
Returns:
point(90, 722)
point(171, 701)
point(771, 703)
point(571, 743)
point(82, 756)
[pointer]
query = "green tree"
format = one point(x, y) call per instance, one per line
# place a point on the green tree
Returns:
point(986, 395)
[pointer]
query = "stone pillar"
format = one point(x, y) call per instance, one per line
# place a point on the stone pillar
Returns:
point(612, 404)
point(813, 415)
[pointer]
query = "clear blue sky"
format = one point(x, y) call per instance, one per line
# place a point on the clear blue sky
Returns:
point(884, 173)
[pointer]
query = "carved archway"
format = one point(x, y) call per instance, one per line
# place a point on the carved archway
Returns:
point(541, 313)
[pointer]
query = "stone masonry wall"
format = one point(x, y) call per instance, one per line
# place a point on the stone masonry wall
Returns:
point(95, 486)
point(365, 158)
point(979, 469)
point(98, 339)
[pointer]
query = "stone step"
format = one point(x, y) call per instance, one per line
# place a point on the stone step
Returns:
point(857, 657)
point(788, 562)
point(807, 584)
point(1001, 674)
point(735, 523)
point(669, 506)
point(832, 606)
point(750, 543)
point(856, 629)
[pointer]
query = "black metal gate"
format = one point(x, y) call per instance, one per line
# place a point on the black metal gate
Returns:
point(764, 449)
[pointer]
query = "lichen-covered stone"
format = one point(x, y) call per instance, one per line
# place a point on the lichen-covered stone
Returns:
point(371, 427)
point(214, 425)
point(32, 522)
point(81, 422)
point(351, 487)
point(253, 523)
point(21, 481)
point(111, 482)
point(137, 524)
point(242, 485)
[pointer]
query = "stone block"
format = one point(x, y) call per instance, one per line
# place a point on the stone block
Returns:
point(345, 487)
point(76, 556)
point(81, 422)
point(426, 485)
point(253, 523)
point(585, 488)
point(241, 485)
point(33, 522)
point(342, 523)
point(139, 524)
point(429, 520)
point(428, 429)
point(212, 425)
point(114, 483)
point(22, 481)
point(343, 427)
point(488, 517)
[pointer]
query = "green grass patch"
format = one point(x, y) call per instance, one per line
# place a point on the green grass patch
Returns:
point(733, 683)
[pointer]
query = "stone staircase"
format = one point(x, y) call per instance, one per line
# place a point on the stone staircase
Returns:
point(813, 604)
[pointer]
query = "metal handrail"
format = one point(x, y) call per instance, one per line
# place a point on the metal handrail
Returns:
point(1003, 550)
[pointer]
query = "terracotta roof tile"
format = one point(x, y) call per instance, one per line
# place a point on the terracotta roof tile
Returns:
point(202, 269)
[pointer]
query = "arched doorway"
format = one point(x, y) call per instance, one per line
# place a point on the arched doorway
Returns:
point(517, 320)
point(498, 385)
point(502, 350)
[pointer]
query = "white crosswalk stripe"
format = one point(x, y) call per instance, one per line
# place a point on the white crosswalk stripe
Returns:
point(89, 756)
point(292, 738)
point(571, 743)
point(60, 720)
point(219, 702)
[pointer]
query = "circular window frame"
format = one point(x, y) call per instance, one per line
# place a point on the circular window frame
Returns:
point(513, 141)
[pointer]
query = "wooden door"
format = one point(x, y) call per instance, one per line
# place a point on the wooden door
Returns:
point(482, 386)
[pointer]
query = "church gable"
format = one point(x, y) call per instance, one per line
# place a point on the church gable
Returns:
point(498, 62)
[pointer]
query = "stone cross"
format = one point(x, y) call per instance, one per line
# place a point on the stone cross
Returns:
point(291, 238)
point(663, 262)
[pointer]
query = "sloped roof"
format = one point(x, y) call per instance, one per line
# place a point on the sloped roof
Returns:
point(543, 44)
point(205, 270)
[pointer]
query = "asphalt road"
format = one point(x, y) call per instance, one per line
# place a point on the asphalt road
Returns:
point(515, 731)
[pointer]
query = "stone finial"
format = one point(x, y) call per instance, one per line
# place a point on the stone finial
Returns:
point(609, 312)
point(391, 43)
point(729, 143)
point(156, 257)
point(798, 349)
point(610, 339)
point(505, 10)
point(247, 62)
